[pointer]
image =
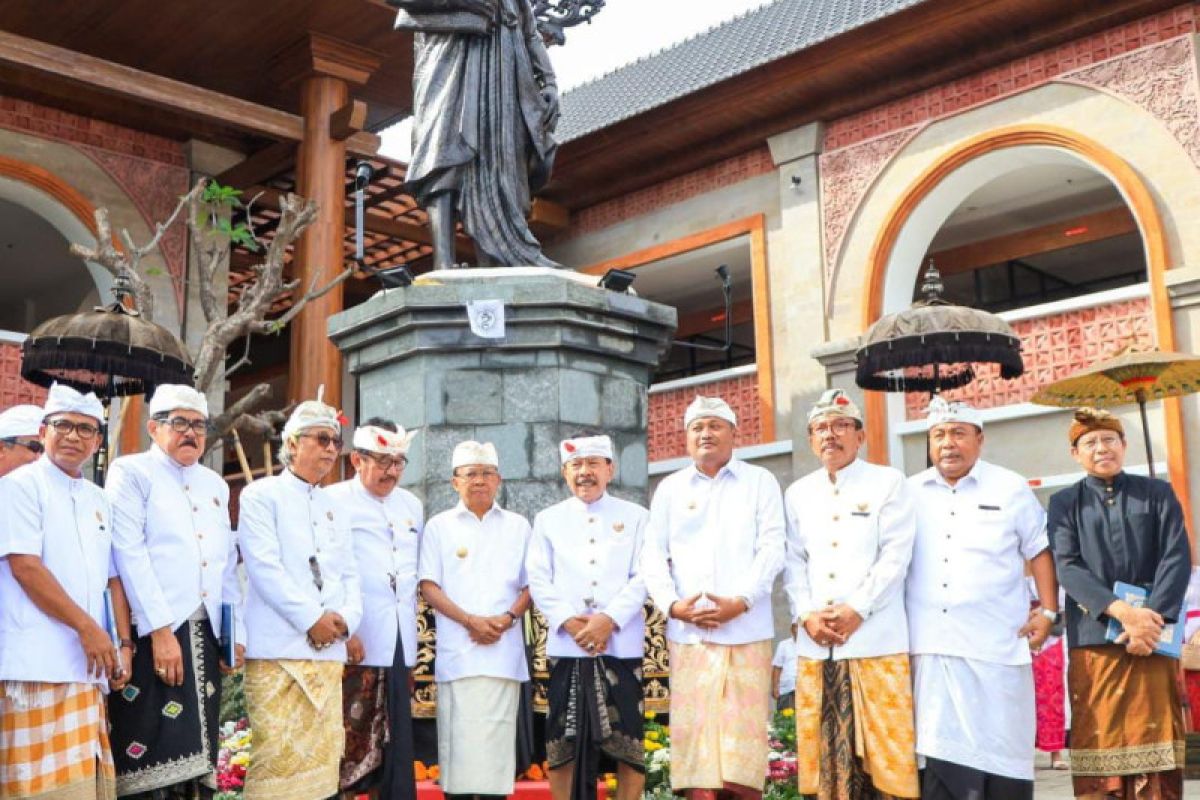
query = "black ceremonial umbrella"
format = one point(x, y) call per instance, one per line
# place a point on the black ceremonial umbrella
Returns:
point(938, 334)
point(111, 350)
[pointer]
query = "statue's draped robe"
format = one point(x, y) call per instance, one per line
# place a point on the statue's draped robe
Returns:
point(481, 128)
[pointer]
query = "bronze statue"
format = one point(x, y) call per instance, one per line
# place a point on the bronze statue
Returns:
point(485, 105)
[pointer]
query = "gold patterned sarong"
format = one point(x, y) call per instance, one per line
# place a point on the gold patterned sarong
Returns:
point(1127, 733)
point(295, 710)
point(720, 704)
point(883, 737)
point(54, 742)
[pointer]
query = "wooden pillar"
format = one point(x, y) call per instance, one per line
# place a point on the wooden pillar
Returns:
point(325, 70)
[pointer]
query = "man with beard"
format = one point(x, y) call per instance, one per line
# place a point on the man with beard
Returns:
point(303, 603)
point(178, 561)
point(1127, 734)
point(58, 595)
point(385, 525)
point(714, 544)
point(583, 574)
point(968, 615)
point(473, 575)
point(19, 443)
point(850, 536)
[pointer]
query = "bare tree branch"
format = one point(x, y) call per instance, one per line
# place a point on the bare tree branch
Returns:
point(241, 362)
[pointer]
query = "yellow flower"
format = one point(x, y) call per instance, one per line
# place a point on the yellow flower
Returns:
point(652, 736)
point(650, 715)
point(610, 782)
point(651, 746)
point(788, 712)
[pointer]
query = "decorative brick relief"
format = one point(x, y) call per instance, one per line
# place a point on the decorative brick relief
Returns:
point(845, 176)
point(1161, 80)
point(1053, 347)
point(13, 388)
point(665, 436)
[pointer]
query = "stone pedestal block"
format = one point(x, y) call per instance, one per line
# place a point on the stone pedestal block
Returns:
point(574, 357)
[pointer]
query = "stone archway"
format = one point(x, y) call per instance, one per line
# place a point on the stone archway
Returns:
point(896, 253)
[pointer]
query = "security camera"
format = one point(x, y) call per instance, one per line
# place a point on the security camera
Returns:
point(362, 175)
point(723, 272)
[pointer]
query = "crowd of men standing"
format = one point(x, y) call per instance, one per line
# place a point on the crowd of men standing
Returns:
point(120, 608)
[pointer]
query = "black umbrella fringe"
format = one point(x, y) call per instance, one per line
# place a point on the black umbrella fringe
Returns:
point(875, 360)
point(117, 370)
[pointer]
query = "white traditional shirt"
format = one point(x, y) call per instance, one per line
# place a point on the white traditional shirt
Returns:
point(480, 565)
point(386, 535)
point(66, 523)
point(583, 559)
point(291, 531)
point(850, 541)
point(966, 591)
point(174, 547)
point(721, 535)
point(785, 660)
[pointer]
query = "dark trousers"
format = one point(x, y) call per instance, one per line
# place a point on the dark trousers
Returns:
point(943, 780)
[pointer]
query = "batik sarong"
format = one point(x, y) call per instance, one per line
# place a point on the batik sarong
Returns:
point(164, 735)
point(854, 728)
point(595, 707)
point(377, 711)
point(295, 710)
point(720, 703)
point(477, 735)
point(54, 742)
point(1126, 724)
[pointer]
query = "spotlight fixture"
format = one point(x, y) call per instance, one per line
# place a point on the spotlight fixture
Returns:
point(395, 277)
point(617, 280)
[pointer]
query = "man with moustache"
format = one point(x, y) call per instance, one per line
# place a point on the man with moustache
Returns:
point(583, 575)
point(302, 605)
point(178, 561)
point(714, 544)
point(850, 537)
point(19, 443)
point(970, 629)
point(472, 573)
point(1127, 734)
point(385, 525)
point(58, 594)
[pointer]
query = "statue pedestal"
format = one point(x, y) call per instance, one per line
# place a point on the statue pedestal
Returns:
point(574, 357)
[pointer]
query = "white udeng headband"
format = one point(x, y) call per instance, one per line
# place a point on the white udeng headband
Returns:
point(941, 411)
point(381, 440)
point(585, 447)
point(709, 407)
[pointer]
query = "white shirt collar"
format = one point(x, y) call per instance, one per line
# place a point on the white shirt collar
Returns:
point(846, 473)
point(59, 479)
point(295, 481)
point(732, 468)
point(974, 475)
point(578, 505)
point(461, 508)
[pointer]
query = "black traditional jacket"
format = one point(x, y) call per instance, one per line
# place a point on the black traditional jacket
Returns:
point(1129, 530)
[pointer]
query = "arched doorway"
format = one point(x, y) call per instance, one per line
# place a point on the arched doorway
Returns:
point(968, 170)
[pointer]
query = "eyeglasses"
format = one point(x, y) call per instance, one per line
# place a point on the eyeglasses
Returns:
point(578, 464)
point(1092, 444)
point(839, 427)
point(385, 463)
point(478, 474)
point(64, 427)
point(183, 425)
point(35, 447)
point(324, 439)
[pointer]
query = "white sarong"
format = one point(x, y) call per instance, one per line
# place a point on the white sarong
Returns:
point(976, 714)
point(477, 735)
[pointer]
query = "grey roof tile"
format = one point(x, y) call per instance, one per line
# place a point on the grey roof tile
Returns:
point(757, 37)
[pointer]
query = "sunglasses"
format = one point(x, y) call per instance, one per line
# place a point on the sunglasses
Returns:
point(324, 439)
point(35, 447)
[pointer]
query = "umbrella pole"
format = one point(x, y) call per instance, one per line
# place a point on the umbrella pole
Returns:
point(1141, 398)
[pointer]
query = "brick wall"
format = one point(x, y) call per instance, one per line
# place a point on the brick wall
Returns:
point(665, 437)
point(14, 389)
point(51, 123)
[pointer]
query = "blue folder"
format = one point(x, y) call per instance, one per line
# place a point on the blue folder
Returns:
point(228, 634)
point(1171, 641)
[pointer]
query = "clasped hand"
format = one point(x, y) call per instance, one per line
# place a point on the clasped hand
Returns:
point(717, 612)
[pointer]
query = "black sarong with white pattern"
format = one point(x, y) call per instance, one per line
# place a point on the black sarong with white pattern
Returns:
point(595, 707)
point(167, 735)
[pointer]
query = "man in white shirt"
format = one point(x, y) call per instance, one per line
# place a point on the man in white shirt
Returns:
point(178, 562)
point(20, 427)
point(61, 606)
point(385, 523)
point(473, 575)
point(714, 544)
point(583, 574)
point(302, 605)
point(783, 674)
point(850, 533)
point(968, 610)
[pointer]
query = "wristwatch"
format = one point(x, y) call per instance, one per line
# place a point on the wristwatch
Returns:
point(1053, 616)
point(131, 644)
point(513, 616)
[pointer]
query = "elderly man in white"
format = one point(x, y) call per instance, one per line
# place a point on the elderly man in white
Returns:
point(385, 524)
point(714, 544)
point(968, 615)
point(850, 536)
point(303, 603)
point(20, 429)
point(583, 574)
point(473, 575)
point(61, 606)
point(178, 561)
